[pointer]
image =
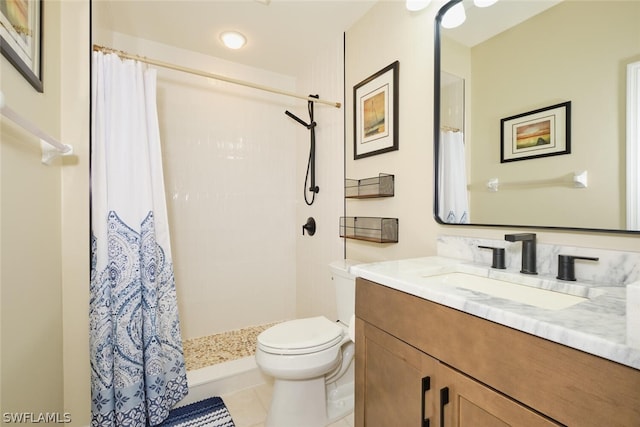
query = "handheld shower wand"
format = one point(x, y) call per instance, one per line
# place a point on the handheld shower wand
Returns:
point(311, 165)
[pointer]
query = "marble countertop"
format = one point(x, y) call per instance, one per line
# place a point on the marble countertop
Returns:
point(596, 326)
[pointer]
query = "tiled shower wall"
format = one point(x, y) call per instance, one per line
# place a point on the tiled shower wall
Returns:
point(230, 176)
point(323, 76)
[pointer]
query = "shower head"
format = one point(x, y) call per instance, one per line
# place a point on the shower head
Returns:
point(299, 120)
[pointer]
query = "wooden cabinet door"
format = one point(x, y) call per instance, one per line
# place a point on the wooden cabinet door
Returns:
point(464, 402)
point(394, 381)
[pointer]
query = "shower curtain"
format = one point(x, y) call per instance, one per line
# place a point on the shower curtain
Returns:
point(453, 203)
point(137, 365)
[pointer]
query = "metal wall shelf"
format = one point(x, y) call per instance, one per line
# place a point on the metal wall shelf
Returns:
point(370, 229)
point(380, 186)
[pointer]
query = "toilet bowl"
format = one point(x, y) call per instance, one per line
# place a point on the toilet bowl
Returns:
point(285, 351)
point(310, 361)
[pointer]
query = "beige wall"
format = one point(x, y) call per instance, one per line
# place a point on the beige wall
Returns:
point(410, 40)
point(31, 312)
point(386, 34)
point(44, 228)
point(75, 119)
point(31, 276)
point(526, 82)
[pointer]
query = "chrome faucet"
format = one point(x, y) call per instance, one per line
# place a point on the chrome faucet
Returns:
point(528, 250)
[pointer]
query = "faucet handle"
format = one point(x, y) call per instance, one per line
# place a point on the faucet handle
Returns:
point(566, 266)
point(498, 257)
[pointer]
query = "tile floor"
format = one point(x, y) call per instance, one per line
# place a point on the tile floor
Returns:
point(249, 407)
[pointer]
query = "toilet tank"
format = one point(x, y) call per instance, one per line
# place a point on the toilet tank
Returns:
point(345, 284)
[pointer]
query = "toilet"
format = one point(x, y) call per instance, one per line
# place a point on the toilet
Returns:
point(310, 360)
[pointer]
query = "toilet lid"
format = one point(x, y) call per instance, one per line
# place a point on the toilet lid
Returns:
point(301, 336)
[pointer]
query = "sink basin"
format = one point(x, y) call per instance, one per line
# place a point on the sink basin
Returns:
point(538, 297)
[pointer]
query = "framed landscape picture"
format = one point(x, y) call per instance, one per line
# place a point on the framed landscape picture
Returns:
point(21, 37)
point(375, 101)
point(539, 133)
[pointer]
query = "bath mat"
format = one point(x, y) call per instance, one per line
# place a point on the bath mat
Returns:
point(210, 412)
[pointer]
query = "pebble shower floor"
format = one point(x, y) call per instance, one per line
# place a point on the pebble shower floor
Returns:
point(223, 347)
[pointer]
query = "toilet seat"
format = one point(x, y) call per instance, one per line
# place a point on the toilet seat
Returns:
point(301, 336)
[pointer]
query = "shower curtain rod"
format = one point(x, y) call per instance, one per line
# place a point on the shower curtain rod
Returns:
point(126, 55)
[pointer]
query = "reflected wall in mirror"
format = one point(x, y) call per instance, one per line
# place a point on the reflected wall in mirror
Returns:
point(520, 56)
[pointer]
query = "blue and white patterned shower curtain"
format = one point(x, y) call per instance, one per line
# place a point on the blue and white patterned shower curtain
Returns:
point(137, 365)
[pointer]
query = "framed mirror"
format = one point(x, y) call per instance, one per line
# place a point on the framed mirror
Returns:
point(536, 119)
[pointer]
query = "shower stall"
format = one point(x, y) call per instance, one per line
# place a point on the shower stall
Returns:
point(234, 168)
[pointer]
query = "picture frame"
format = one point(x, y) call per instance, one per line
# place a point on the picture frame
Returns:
point(375, 116)
point(21, 38)
point(539, 133)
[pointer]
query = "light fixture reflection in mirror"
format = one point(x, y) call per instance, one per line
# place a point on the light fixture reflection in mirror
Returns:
point(454, 17)
point(484, 3)
point(416, 5)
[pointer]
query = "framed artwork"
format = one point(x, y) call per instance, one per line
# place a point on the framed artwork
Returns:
point(21, 37)
point(375, 103)
point(539, 133)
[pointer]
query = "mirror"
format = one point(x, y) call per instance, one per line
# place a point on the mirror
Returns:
point(561, 70)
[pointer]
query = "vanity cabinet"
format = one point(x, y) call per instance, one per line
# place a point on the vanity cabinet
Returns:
point(419, 363)
point(402, 386)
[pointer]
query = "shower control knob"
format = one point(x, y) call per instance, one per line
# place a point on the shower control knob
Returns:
point(310, 226)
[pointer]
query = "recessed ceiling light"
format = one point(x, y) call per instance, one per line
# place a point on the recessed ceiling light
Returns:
point(233, 39)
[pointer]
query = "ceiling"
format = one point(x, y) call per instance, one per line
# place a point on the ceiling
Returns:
point(484, 23)
point(282, 34)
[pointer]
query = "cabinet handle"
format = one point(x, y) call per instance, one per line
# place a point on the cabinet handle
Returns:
point(426, 386)
point(444, 400)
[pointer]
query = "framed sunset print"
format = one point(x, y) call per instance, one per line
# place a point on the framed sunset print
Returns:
point(540, 133)
point(376, 113)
